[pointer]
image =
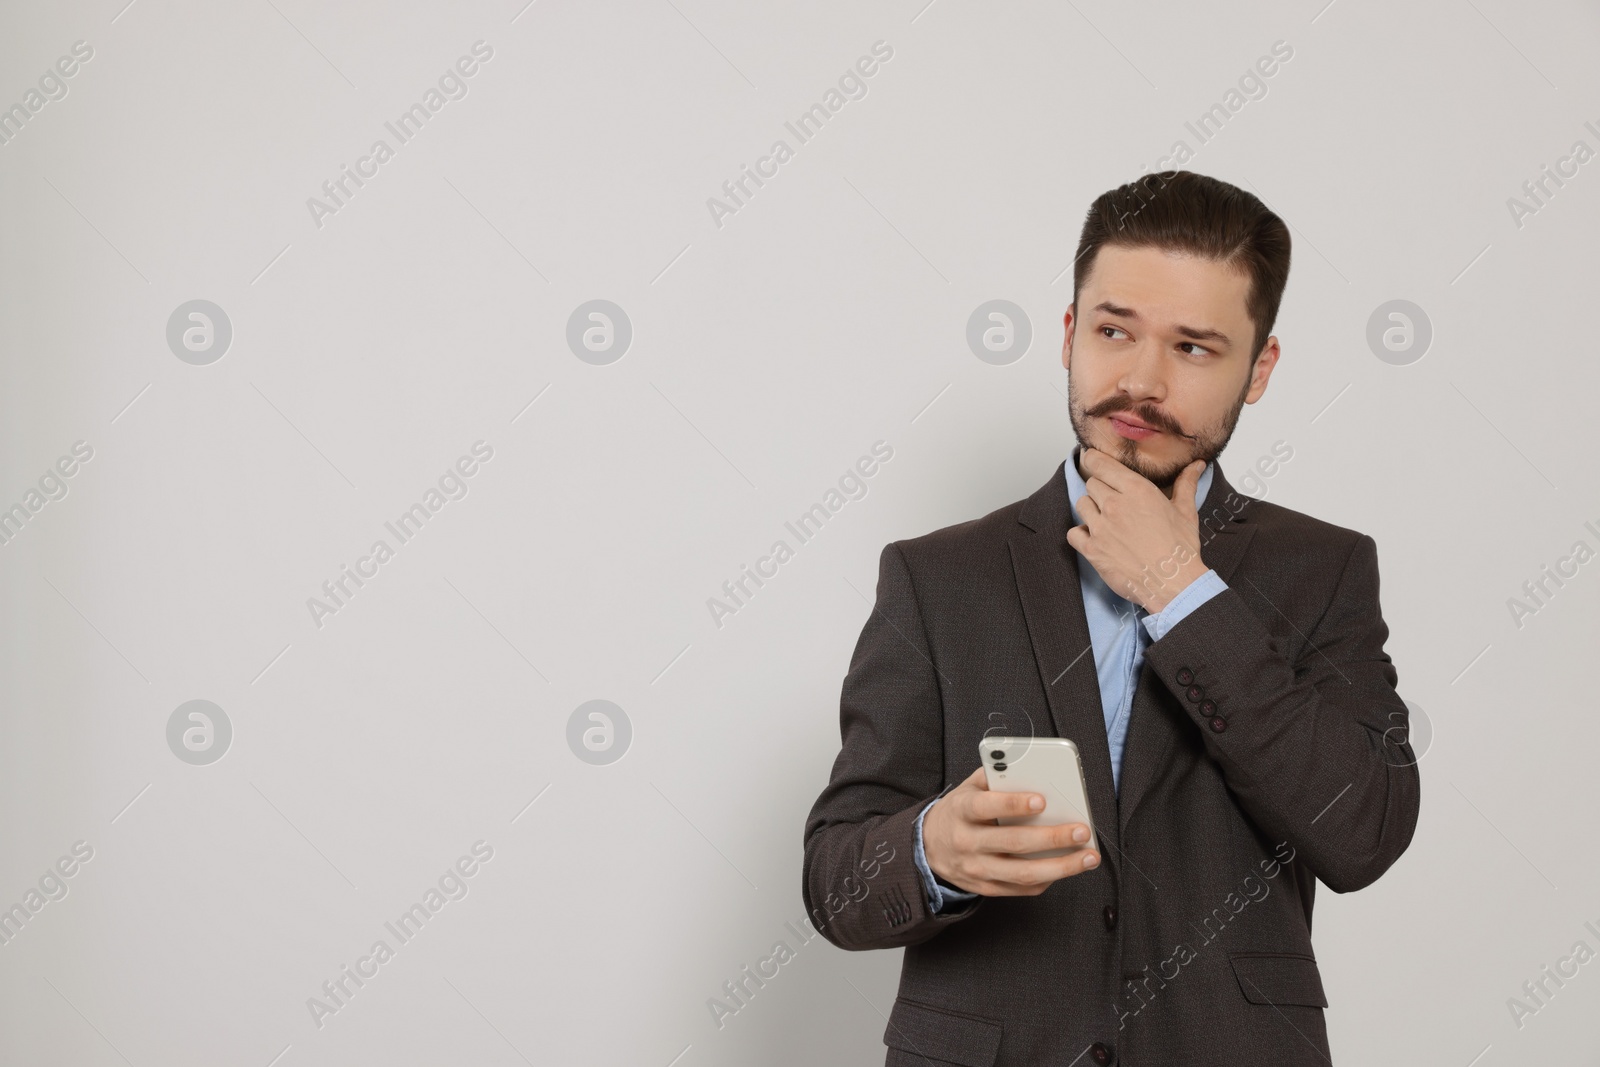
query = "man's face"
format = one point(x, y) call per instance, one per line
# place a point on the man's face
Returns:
point(1162, 341)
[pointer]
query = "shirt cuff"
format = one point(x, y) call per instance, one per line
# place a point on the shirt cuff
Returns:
point(939, 897)
point(1193, 595)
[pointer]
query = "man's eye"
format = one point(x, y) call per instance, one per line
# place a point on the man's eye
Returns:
point(1191, 344)
point(1113, 329)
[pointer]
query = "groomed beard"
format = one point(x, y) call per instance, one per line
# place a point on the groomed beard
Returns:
point(1206, 443)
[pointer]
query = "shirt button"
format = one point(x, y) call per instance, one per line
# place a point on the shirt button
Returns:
point(1102, 1053)
point(1194, 693)
point(1218, 724)
point(1185, 676)
point(1208, 707)
point(1111, 916)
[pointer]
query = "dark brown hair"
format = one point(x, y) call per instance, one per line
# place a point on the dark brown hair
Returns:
point(1181, 211)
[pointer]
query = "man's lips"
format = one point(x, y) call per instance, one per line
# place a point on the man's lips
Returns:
point(1132, 428)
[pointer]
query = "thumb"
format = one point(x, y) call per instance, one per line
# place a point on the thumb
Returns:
point(1184, 488)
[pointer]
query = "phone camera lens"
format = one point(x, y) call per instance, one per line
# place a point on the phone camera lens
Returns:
point(997, 754)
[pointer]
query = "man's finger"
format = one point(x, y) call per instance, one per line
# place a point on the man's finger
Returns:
point(1023, 840)
point(1110, 469)
point(993, 805)
point(1100, 490)
point(1184, 488)
point(1017, 876)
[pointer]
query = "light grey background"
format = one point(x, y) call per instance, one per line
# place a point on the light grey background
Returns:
point(768, 354)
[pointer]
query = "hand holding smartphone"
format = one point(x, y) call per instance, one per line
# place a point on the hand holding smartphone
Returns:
point(987, 837)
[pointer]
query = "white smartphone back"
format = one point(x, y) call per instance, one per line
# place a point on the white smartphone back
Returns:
point(1049, 766)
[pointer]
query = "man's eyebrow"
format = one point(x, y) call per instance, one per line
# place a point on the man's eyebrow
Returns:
point(1188, 331)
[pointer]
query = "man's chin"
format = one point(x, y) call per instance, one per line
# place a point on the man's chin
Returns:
point(1163, 475)
point(1166, 482)
point(1163, 479)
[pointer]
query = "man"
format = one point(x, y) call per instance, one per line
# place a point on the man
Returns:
point(1217, 659)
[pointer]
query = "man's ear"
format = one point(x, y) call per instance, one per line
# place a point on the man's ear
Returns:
point(1261, 371)
point(1066, 344)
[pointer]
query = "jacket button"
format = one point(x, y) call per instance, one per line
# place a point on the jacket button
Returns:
point(1218, 724)
point(1194, 693)
point(1111, 916)
point(1102, 1053)
point(1185, 676)
point(1208, 707)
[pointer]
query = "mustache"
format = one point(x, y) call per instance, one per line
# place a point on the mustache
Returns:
point(1151, 416)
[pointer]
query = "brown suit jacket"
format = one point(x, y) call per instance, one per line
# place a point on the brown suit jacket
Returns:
point(1267, 749)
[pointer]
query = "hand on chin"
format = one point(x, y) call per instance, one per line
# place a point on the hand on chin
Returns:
point(1143, 542)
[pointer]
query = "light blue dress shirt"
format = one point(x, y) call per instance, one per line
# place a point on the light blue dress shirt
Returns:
point(1118, 655)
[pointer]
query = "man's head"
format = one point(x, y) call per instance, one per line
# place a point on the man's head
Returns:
point(1174, 292)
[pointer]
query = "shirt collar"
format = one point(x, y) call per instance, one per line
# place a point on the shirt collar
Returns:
point(1076, 487)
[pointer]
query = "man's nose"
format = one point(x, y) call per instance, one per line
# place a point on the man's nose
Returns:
point(1144, 375)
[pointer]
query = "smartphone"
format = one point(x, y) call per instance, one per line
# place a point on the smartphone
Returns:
point(1049, 766)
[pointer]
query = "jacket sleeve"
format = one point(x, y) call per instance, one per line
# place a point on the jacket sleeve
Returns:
point(1316, 751)
point(860, 882)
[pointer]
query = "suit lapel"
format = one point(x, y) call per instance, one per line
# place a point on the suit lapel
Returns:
point(1225, 533)
point(1046, 571)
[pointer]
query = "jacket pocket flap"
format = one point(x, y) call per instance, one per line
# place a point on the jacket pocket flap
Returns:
point(1278, 978)
point(942, 1035)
